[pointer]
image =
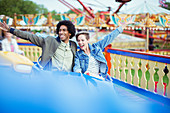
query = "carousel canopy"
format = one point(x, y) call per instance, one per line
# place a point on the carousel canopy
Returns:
point(142, 7)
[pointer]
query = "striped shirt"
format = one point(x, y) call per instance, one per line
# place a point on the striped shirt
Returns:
point(93, 67)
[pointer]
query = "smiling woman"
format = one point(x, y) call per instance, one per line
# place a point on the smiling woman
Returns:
point(90, 59)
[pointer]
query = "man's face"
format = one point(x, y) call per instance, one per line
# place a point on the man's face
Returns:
point(64, 34)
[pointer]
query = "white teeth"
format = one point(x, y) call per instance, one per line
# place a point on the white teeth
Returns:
point(61, 35)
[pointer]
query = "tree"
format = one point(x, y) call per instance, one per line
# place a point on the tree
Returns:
point(70, 11)
point(9, 7)
point(167, 3)
point(54, 16)
point(42, 10)
point(28, 7)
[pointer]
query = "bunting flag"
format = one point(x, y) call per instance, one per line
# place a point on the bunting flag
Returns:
point(65, 17)
point(115, 19)
point(25, 19)
point(1, 20)
point(77, 20)
point(164, 20)
point(100, 22)
point(7, 19)
point(120, 19)
point(36, 19)
point(80, 20)
point(31, 19)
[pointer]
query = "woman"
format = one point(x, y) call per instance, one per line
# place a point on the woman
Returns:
point(90, 59)
point(10, 44)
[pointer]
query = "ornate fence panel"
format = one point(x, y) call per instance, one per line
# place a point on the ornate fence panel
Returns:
point(144, 70)
point(32, 52)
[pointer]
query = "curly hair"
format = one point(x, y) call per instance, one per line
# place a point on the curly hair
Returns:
point(70, 27)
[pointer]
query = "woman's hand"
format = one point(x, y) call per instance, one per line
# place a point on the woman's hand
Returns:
point(87, 73)
point(131, 21)
point(4, 26)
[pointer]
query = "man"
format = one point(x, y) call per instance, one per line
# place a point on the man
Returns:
point(57, 53)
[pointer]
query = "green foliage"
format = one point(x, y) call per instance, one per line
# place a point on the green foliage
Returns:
point(9, 7)
point(70, 11)
point(28, 7)
point(167, 3)
point(42, 10)
point(54, 16)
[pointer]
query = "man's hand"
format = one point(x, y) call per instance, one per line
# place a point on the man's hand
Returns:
point(4, 26)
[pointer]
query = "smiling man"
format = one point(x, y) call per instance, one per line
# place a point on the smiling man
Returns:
point(57, 53)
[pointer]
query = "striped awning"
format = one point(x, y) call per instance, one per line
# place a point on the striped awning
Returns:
point(143, 7)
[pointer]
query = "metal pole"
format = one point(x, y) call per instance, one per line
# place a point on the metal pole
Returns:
point(147, 32)
point(147, 39)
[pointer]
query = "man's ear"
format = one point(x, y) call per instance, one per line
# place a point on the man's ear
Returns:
point(69, 34)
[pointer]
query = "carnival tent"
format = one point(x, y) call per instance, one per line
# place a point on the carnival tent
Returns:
point(142, 7)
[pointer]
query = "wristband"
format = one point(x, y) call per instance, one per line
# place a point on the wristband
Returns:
point(9, 29)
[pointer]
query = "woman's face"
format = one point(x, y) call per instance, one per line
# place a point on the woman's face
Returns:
point(82, 41)
point(7, 34)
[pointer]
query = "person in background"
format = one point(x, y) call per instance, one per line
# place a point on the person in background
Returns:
point(57, 52)
point(10, 44)
point(1, 38)
point(90, 59)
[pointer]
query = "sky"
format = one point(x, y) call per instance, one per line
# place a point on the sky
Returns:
point(94, 4)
